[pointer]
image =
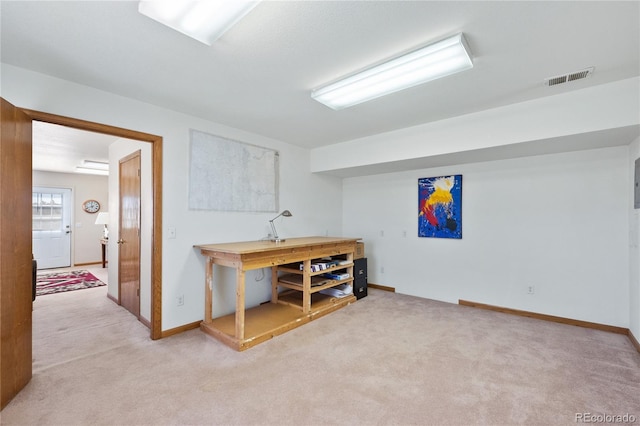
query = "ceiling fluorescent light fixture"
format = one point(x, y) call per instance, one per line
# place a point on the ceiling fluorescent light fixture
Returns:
point(203, 20)
point(90, 171)
point(427, 63)
point(100, 165)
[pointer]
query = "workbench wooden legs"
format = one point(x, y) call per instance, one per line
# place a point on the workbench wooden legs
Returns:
point(274, 285)
point(240, 284)
point(306, 287)
point(208, 298)
point(208, 291)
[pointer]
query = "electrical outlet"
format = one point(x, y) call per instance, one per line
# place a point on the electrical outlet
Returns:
point(531, 289)
point(171, 232)
point(382, 269)
point(180, 300)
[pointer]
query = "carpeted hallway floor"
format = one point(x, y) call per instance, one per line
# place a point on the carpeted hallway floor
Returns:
point(387, 359)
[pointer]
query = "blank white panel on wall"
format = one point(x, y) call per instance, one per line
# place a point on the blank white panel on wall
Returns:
point(227, 175)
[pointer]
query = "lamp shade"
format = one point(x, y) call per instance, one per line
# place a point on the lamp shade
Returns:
point(102, 219)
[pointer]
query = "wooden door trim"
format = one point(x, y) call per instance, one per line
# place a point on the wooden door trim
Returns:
point(156, 237)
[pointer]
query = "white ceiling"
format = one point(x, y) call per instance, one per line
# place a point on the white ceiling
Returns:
point(61, 149)
point(259, 75)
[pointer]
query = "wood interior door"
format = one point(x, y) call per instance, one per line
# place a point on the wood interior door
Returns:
point(15, 252)
point(129, 234)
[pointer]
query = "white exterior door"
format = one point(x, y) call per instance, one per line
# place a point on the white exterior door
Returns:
point(51, 218)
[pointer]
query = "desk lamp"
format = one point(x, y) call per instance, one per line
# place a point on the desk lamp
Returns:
point(275, 238)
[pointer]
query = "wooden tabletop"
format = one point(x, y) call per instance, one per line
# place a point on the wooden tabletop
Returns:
point(266, 245)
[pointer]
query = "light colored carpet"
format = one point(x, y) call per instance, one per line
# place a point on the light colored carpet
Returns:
point(387, 359)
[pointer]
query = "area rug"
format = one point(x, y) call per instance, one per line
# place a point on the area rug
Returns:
point(66, 281)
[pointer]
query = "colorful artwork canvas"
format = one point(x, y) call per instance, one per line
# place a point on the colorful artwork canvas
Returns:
point(440, 207)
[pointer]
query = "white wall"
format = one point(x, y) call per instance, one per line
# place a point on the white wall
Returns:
point(558, 222)
point(86, 247)
point(634, 251)
point(182, 264)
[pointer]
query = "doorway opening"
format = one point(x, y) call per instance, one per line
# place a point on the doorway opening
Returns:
point(155, 323)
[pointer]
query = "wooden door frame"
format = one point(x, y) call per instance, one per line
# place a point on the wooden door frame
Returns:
point(156, 235)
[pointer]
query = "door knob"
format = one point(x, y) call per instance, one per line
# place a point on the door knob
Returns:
point(120, 241)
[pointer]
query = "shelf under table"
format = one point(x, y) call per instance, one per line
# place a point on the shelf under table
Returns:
point(266, 321)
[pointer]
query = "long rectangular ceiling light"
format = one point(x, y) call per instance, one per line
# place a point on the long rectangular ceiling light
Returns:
point(100, 165)
point(204, 20)
point(91, 171)
point(428, 63)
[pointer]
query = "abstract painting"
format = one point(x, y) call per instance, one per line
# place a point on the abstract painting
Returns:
point(440, 207)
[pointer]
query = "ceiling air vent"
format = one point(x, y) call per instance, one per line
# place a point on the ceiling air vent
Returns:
point(565, 78)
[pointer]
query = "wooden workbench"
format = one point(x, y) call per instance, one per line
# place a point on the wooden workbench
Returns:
point(286, 310)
